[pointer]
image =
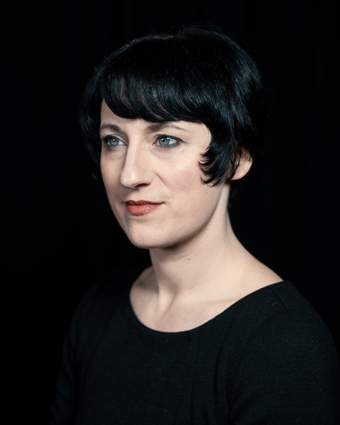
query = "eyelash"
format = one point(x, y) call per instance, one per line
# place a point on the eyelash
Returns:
point(106, 141)
point(165, 136)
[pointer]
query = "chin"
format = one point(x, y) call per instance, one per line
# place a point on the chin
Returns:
point(150, 242)
point(151, 239)
point(160, 238)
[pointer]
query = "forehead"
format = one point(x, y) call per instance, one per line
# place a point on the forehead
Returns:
point(112, 122)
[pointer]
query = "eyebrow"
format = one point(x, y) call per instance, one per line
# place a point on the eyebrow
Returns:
point(112, 127)
point(150, 128)
point(160, 126)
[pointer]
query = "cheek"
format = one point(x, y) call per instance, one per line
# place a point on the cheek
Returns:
point(192, 194)
point(110, 171)
point(184, 178)
point(110, 174)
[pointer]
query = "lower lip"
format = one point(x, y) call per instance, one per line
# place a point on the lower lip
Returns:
point(141, 209)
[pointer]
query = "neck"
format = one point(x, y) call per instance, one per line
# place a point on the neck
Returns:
point(197, 265)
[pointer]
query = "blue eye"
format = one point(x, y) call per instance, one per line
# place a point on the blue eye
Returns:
point(167, 142)
point(111, 141)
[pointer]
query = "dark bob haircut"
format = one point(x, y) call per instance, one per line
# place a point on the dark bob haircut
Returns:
point(194, 74)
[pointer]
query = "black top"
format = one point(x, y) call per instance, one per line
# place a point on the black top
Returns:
point(267, 359)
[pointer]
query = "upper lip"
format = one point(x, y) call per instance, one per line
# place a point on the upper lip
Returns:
point(141, 202)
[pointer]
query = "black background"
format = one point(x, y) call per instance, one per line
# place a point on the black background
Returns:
point(59, 234)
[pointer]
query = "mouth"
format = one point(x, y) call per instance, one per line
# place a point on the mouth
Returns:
point(141, 207)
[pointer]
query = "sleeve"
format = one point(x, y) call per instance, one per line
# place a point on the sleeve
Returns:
point(86, 329)
point(64, 407)
point(288, 374)
point(78, 345)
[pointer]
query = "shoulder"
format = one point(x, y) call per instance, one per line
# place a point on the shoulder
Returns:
point(288, 316)
point(94, 311)
point(99, 303)
point(107, 291)
point(288, 356)
point(87, 326)
point(278, 319)
point(280, 302)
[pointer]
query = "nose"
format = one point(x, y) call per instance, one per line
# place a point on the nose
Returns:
point(136, 170)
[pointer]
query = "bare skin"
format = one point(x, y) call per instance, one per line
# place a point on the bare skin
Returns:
point(199, 268)
point(189, 290)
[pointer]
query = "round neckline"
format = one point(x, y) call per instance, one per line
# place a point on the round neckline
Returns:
point(199, 327)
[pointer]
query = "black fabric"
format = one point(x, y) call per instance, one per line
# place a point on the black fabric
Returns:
point(59, 234)
point(267, 359)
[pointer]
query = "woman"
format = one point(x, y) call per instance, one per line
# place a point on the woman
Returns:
point(207, 334)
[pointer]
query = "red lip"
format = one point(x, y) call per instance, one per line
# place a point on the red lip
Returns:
point(141, 207)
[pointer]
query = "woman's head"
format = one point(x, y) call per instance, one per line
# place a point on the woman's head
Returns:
point(196, 75)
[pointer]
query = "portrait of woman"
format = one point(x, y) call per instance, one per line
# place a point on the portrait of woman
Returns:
point(207, 334)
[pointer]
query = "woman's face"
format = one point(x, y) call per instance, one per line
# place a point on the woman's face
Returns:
point(153, 180)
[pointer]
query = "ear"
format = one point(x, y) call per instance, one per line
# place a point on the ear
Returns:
point(243, 167)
